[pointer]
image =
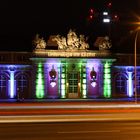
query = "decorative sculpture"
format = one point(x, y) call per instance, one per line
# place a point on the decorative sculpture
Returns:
point(93, 76)
point(72, 42)
point(39, 43)
point(105, 44)
point(61, 41)
point(53, 74)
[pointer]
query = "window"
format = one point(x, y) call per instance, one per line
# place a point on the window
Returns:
point(120, 84)
point(73, 82)
point(2, 81)
point(22, 81)
point(138, 84)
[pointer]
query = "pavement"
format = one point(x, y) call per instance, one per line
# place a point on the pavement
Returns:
point(74, 100)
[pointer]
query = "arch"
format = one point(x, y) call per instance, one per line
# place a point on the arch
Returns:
point(121, 73)
point(138, 82)
point(22, 85)
point(120, 83)
point(4, 78)
point(6, 74)
point(17, 75)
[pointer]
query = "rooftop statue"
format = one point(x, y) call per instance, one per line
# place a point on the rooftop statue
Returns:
point(72, 42)
point(39, 43)
point(105, 44)
point(61, 42)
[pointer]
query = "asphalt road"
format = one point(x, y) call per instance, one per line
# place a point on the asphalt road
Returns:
point(106, 130)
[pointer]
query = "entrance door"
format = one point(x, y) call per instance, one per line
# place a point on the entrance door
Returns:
point(73, 84)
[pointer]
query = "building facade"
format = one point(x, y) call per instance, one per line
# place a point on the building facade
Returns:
point(69, 72)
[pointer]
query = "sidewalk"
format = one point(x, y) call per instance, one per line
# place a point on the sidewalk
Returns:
point(73, 100)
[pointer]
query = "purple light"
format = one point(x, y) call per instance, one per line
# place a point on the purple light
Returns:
point(53, 83)
point(93, 83)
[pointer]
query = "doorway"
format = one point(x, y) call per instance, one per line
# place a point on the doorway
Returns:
point(73, 80)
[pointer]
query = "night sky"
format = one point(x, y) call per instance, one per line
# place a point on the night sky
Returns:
point(21, 20)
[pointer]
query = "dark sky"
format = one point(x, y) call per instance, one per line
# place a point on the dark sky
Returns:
point(22, 19)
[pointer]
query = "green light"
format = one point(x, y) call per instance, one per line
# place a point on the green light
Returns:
point(39, 82)
point(62, 93)
point(107, 81)
point(63, 87)
point(84, 93)
point(84, 75)
point(107, 71)
point(63, 81)
point(83, 81)
point(84, 87)
point(107, 76)
point(63, 76)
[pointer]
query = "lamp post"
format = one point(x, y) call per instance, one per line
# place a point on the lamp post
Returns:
point(135, 66)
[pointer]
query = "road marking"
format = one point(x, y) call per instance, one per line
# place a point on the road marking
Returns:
point(101, 131)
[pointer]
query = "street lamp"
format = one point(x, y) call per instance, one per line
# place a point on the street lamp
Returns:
point(135, 66)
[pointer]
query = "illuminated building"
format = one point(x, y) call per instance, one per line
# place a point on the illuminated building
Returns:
point(70, 71)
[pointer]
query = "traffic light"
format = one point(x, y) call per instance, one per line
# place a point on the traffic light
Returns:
point(91, 13)
point(115, 18)
point(109, 5)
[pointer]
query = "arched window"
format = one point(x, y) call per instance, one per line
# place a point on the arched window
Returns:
point(2, 81)
point(120, 84)
point(138, 83)
point(22, 81)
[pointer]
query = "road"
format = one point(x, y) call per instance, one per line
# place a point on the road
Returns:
point(78, 121)
point(66, 108)
point(63, 112)
point(106, 130)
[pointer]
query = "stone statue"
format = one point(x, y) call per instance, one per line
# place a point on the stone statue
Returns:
point(72, 42)
point(39, 42)
point(83, 43)
point(61, 41)
point(105, 44)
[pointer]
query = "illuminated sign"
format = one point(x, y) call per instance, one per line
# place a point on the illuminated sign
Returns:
point(70, 54)
point(48, 53)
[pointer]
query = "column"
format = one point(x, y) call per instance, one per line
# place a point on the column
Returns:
point(39, 81)
point(107, 79)
point(63, 81)
point(12, 84)
point(83, 81)
point(129, 85)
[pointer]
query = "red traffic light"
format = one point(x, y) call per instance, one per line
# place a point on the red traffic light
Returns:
point(115, 17)
point(91, 16)
point(91, 11)
point(109, 5)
